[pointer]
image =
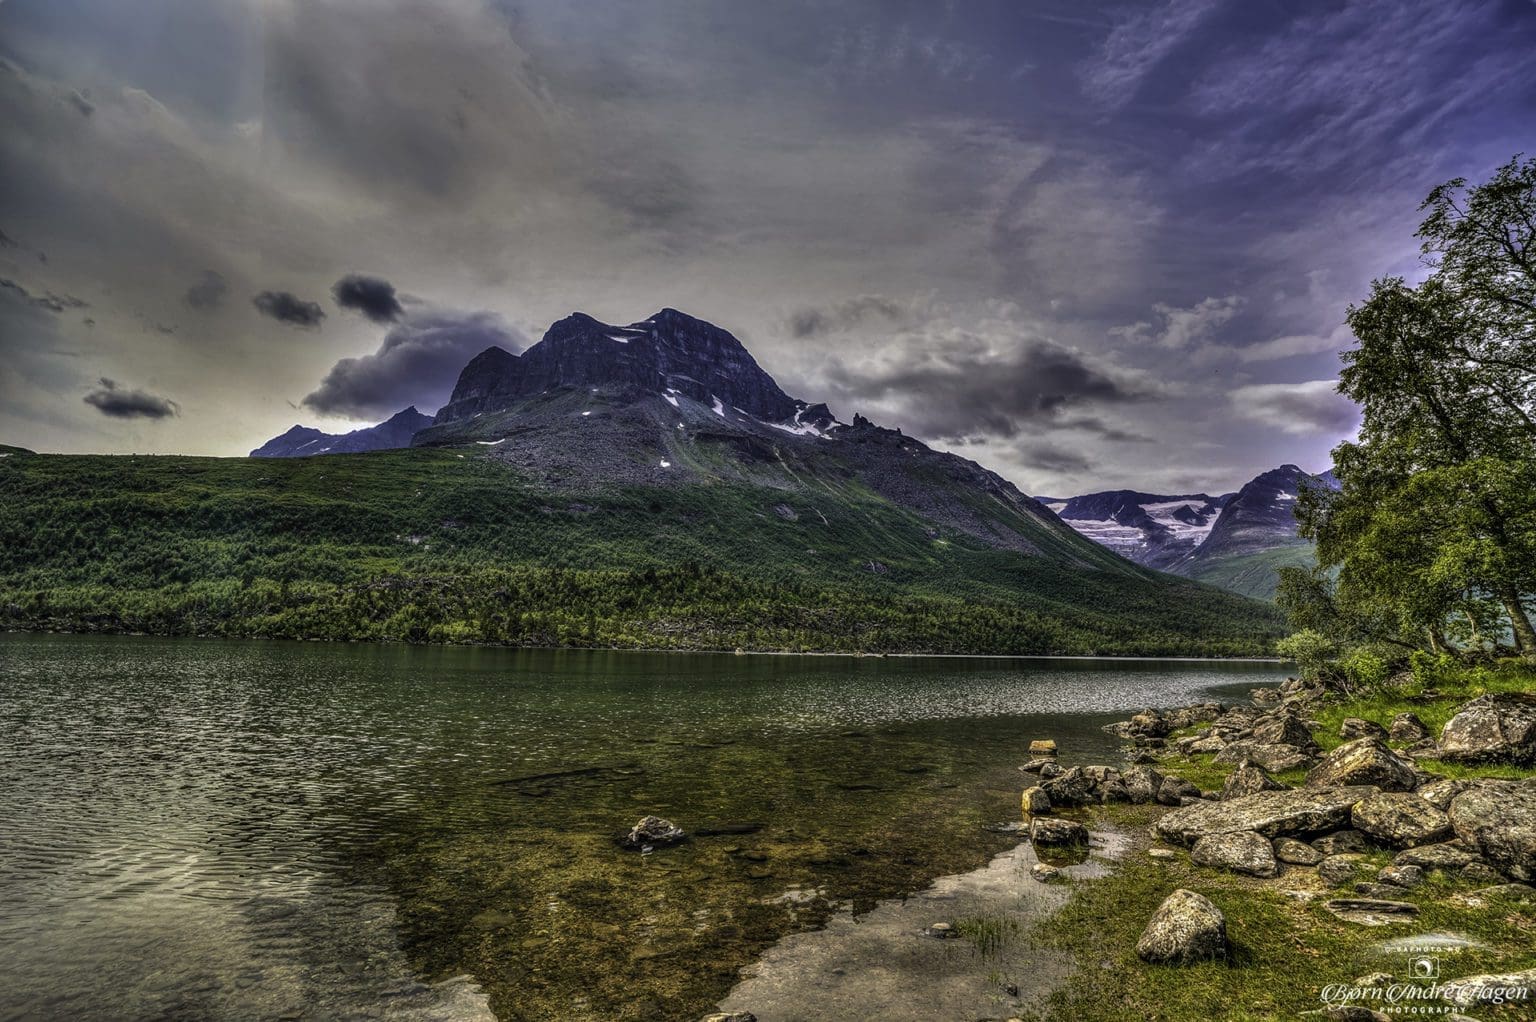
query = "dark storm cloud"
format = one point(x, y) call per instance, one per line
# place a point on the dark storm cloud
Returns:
point(964, 392)
point(80, 102)
point(286, 307)
point(43, 300)
point(813, 321)
point(1054, 459)
point(417, 364)
point(374, 297)
point(117, 402)
point(208, 291)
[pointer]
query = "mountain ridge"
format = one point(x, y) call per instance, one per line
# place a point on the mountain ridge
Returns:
point(307, 442)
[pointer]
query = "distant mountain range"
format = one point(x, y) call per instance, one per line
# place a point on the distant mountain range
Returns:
point(305, 442)
point(1235, 540)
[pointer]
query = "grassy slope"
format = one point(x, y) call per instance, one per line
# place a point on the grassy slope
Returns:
point(1254, 575)
point(446, 545)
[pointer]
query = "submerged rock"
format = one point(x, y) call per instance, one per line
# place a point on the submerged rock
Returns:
point(1049, 831)
point(652, 831)
point(1186, 928)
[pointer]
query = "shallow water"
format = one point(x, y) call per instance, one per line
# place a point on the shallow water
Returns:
point(231, 830)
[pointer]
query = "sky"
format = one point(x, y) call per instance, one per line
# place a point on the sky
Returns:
point(1091, 246)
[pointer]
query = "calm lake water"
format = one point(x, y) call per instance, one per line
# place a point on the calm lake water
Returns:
point(244, 830)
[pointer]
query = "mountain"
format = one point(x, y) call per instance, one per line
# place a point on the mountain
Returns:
point(1151, 529)
point(305, 441)
point(647, 485)
point(1236, 541)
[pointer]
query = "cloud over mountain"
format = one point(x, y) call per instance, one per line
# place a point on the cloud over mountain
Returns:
point(374, 297)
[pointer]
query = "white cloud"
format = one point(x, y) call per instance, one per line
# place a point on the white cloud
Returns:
point(1177, 328)
point(1303, 409)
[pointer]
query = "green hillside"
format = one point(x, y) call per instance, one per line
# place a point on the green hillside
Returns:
point(1255, 574)
point(451, 545)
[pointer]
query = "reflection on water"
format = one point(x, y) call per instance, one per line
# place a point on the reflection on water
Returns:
point(282, 830)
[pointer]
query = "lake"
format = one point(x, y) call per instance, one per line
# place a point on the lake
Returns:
point(234, 830)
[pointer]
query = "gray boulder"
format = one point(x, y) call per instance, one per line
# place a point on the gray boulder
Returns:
point(1035, 801)
point(1359, 727)
point(1185, 928)
point(1176, 791)
point(1249, 779)
point(1407, 728)
point(1072, 787)
point(1337, 870)
point(1271, 813)
point(1282, 728)
point(1340, 842)
point(1049, 831)
point(1447, 855)
point(1297, 853)
point(1273, 758)
point(1364, 761)
point(1401, 876)
point(1049, 770)
point(1401, 819)
point(1500, 727)
point(1439, 793)
point(1240, 852)
point(1142, 783)
point(651, 832)
point(1498, 818)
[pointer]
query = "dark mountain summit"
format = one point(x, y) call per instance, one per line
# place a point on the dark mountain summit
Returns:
point(305, 441)
point(1152, 529)
point(1262, 515)
point(668, 353)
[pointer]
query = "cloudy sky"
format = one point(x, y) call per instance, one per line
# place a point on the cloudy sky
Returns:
point(1089, 246)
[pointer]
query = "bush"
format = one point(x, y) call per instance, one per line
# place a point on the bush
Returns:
point(1310, 649)
point(1364, 667)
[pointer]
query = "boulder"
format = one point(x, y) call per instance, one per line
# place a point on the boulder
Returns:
point(1248, 779)
point(1070, 788)
point(1340, 842)
point(1208, 744)
point(1185, 928)
point(1407, 728)
point(651, 832)
point(1050, 770)
point(1364, 761)
point(1371, 911)
point(1359, 727)
point(1283, 728)
point(1042, 747)
point(1401, 876)
point(1240, 852)
point(1401, 819)
point(1035, 801)
point(1498, 818)
point(1142, 783)
point(1050, 831)
point(1439, 793)
point(1297, 853)
point(1479, 872)
point(1499, 727)
point(1273, 758)
point(1176, 791)
point(1271, 813)
point(1113, 791)
point(1189, 716)
point(1140, 758)
point(1446, 855)
point(1034, 766)
point(1337, 870)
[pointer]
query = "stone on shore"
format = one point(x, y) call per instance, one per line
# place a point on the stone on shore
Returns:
point(1271, 813)
point(1297, 853)
point(1034, 766)
point(1407, 728)
point(1042, 747)
point(1050, 831)
point(1440, 792)
point(1073, 787)
point(1499, 727)
point(1364, 761)
point(1249, 779)
point(1240, 852)
point(1035, 801)
point(1176, 791)
point(1283, 728)
point(1142, 784)
point(1498, 818)
point(1401, 820)
point(1044, 872)
point(1274, 758)
point(1186, 928)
